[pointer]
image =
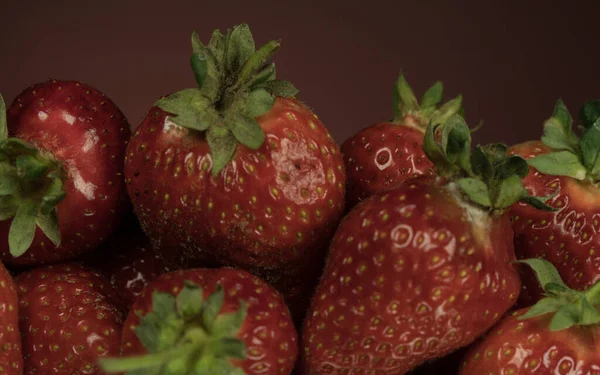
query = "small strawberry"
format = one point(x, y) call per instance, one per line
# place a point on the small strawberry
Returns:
point(69, 316)
point(420, 271)
point(238, 172)
point(566, 165)
point(558, 335)
point(381, 156)
point(11, 360)
point(129, 262)
point(61, 186)
point(207, 322)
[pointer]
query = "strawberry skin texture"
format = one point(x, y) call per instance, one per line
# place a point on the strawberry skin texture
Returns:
point(568, 238)
point(271, 211)
point(268, 332)
point(69, 316)
point(11, 360)
point(84, 130)
point(519, 347)
point(129, 262)
point(381, 156)
point(411, 276)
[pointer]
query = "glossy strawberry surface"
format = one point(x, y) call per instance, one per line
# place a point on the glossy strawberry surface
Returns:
point(11, 360)
point(69, 316)
point(78, 126)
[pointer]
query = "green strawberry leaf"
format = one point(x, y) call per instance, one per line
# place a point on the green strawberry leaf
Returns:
point(3, 125)
point(199, 65)
point(545, 271)
point(30, 167)
point(8, 208)
point(589, 144)
point(560, 163)
point(566, 317)
point(543, 307)
point(246, 130)
point(495, 152)
point(190, 109)
point(160, 328)
point(22, 228)
point(216, 45)
point(284, 89)
point(266, 74)
point(510, 190)
point(448, 110)
point(476, 190)
point(206, 67)
point(512, 165)
point(229, 347)
point(212, 307)
point(405, 101)
point(456, 142)
point(255, 62)
point(16, 146)
point(589, 314)
point(537, 203)
point(52, 197)
point(48, 223)
point(239, 48)
point(436, 154)
point(258, 102)
point(9, 181)
point(229, 324)
point(590, 113)
point(433, 96)
point(190, 300)
point(558, 130)
point(222, 145)
point(480, 164)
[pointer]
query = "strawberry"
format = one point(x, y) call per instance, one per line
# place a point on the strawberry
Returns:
point(421, 270)
point(69, 316)
point(238, 172)
point(61, 185)
point(11, 360)
point(207, 321)
point(129, 262)
point(382, 155)
point(558, 335)
point(566, 167)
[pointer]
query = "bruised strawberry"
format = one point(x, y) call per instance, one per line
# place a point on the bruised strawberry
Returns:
point(567, 168)
point(207, 321)
point(558, 335)
point(129, 262)
point(62, 190)
point(381, 156)
point(11, 360)
point(69, 316)
point(420, 271)
point(238, 172)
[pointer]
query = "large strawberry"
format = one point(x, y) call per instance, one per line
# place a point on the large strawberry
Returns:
point(382, 155)
point(128, 261)
point(237, 171)
point(61, 172)
point(207, 322)
point(69, 316)
point(567, 166)
point(422, 270)
point(11, 360)
point(558, 335)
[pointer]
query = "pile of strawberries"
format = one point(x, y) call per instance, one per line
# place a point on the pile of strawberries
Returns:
point(230, 234)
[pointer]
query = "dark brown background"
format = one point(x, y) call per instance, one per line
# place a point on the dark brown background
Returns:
point(511, 60)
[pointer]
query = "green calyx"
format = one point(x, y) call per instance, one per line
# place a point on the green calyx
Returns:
point(486, 175)
point(573, 155)
point(406, 104)
point(186, 334)
point(570, 307)
point(236, 84)
point(30, 188)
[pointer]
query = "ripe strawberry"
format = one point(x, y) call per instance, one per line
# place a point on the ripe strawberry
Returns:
point(207, 321)
point(61, 185)
point(422, 270)
point(238, 172)
point(69, 316)
point(381, 156)
point(129, 262)
point(558, 335)
point(11, 360)
point(568, 166)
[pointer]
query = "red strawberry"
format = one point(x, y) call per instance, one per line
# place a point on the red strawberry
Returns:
point(237, 172)
point(565, 165)
point(61, 185)
point(69, 316)
point(208, 321)
point(559, 335)
point(11, 360)
point(422, 270)
point(381, 156)
point(129, 261)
